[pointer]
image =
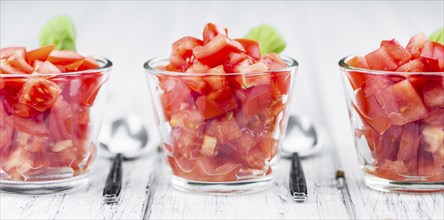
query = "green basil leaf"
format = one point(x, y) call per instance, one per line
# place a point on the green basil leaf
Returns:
point(59, 31)
point(270, 40)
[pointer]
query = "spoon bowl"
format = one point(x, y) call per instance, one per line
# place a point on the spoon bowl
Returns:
point(126, 136)
point(301, 137)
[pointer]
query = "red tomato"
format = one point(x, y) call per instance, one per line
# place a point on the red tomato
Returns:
point(233, 59)
point(64, 57)
point(215, 52)
point(401, 103)
point(216, 169)
point(257, 100)
point(31, 126)
point(189, 118)
point(435, 117)
point(15, 57)
point(225, 128)
point(409, 142)
point(186, 143)
point(41, 53)
point(396, 51)
point(433, 93)
point(251, 47)
point(39, 93)
point(244, 143)
point(216, 103)
point(416, 44)
point(89, 63)
point(385, 147)
point(212, 30)
point(417, 65)
point(60, 120)
point(182, 54)
point(47, 67)
point(380, 59)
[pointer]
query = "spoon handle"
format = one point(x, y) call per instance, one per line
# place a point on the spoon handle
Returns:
point(113, 183)
point(298, 185)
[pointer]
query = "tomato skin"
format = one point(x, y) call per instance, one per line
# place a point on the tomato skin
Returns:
point(182, 54)
point(396, 51)
point(213, 53)
point(216, 103)
point(251, 47)
point(47, 67)
point(380, 59)
point(416, 44)
point(212, 30)
point(64, 57)
point(41, 53)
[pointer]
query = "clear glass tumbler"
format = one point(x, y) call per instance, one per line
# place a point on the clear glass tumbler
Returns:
point(221, 132)
point(398, 125)
point(49, 147)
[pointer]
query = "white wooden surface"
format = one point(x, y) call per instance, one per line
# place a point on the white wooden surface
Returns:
point(318, 34)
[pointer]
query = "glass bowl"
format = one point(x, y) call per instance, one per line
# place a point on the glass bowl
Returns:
point(221, 133)
point(398, 125)
point(48, 144)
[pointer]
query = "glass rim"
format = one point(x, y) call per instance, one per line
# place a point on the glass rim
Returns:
point(150, 67)
point(107, 65)
point(345, 67)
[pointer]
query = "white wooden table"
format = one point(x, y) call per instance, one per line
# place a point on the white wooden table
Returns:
point(318, 35)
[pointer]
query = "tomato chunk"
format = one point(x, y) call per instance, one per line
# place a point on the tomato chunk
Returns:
point(39, 93)
point(401, 103)
point(213, 53)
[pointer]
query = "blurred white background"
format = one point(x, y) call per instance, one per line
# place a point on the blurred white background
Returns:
point(318, 34)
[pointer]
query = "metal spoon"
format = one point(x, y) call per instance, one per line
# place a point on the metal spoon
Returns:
point(125, 139)
point(301, 140)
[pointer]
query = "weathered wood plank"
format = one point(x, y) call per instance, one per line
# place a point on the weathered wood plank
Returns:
point(87, 203)
point(324, 199)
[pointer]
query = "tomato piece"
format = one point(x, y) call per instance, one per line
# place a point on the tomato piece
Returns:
point(189, 118)
point(435, 117)
point(74, 66)
point(416, 44)
point(39, 93)
point(41, 53)
point(244, 143)
point(89, 63)
point(399, 54)
point(433, 137)
point(225, 129)
point(380, 59)
point(417, 65)
point(15, 57)
point(215, 52)
point(401, 103)
point(197, 67)
point(186, 143)
point(47, 67)
point(233, 59)
point(31, 126)
point(251, 47)
point(212, 30)
point(209, 146)
point(64, 57)
point(216, 169)
point(182, 54)
point(433, 54)
point(386, 147)
point(60, 120)
point(216, 103)
point(433, 93)
point(6, 68)
point(392, 170)
point(258, 98)
point(409, 142)
point(274, 61)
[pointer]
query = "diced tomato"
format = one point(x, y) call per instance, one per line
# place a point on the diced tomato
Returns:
point(212, 30)
point(182, 54)
point(17, 58)
point(435, 117)
point(47, 67)
point(216, 169)
point(358, 62)
point(60, 120)
point(433, 137)
point(396, 51)
point(409, 142)
point(89, 63)
point(417, 65)
point(64, 57)
point(244, 143)
point(257, 100)
point(416, 44)
point(273, 61)
point(186, 143)
point(386, 147)
point(380, 59)
point(225, 128)
point(433, 94)
point(213, 53)
point(401, 103)
point(41, 53)
point(216, 103)
point(433, 54)
point(251, 47)
point(233, 59)
point(209, 146)
point(189, 118)
point(39, 93)
point(27, 125)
